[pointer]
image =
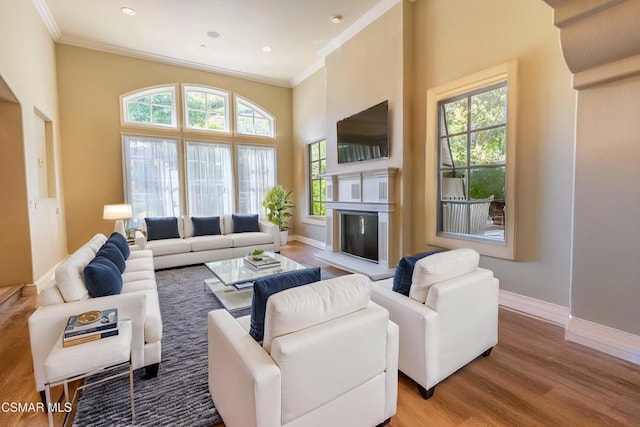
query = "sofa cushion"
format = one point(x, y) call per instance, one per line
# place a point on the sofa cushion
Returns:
point(96, 242)
point(404, 272)
point(168, 247)
point(121, 242)
point(102, 277)
point(440, 267)
point(206, 243)
point(305, 306)
point(131, 286)
point(139, 264)
point(69, 274)
point(110, 251)
point(162, 228)
point(264, 288)
point(250, 239)
point(206, 226)
point(243, 223)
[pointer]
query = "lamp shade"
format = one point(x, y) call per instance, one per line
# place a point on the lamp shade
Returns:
point(117, 212)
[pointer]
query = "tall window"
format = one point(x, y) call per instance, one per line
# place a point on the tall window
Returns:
point(472, 138)
point(252, 120)
point(152, 107)
point(206, 109)
point(152, 177)
point(471, 157)
point(317, 166)
point(209, 179)
point(256, 174)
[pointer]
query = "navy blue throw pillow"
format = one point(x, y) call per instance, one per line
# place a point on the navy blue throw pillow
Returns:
point(404, 271)
point(162, 228)
point(102, 278)
point(206, 226)
point(110, 251)
point(121, 242)
point(245, 223)
point(264, 288)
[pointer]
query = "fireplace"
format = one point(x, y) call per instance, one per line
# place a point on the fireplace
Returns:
point(359, 234)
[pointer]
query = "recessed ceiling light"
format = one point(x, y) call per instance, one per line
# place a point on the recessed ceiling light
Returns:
point(128, 11)
point(213, 34)
point(203, 46)
point(335, 19)
point(266, 48)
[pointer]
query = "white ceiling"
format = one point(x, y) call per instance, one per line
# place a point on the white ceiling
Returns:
point(298, 31)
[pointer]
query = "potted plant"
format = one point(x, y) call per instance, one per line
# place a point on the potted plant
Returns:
point(277, 202)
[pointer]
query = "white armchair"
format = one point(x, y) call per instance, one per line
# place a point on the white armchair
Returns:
point(329, 357)
point(449, 318)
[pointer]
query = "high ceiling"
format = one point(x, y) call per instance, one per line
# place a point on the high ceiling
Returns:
point(299, 32)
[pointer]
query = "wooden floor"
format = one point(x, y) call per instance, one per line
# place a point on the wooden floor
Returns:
point(533, 377)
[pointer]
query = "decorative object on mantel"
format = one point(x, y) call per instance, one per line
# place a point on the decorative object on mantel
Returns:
point(277, 202)
point(119, 213)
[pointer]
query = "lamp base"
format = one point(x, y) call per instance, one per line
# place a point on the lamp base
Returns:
point(119, 228)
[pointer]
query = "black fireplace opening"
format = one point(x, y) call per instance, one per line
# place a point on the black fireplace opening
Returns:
point(359, 234)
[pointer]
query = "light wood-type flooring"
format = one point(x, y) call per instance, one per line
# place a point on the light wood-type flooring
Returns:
point(533, 377)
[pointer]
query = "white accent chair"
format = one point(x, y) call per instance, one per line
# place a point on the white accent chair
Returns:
point(329, 358)
point(449, 318)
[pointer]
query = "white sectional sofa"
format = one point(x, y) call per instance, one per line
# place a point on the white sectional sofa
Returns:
point(189, 249)
point(69, 296)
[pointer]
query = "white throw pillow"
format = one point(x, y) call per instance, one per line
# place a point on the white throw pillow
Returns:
point(304, 306)
point(439, 267)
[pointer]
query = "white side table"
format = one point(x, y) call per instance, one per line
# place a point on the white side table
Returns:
point(66, 364)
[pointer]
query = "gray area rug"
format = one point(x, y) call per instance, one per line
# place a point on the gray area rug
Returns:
point(179, 396)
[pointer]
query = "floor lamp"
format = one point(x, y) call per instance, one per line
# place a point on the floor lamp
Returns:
point(119, 213)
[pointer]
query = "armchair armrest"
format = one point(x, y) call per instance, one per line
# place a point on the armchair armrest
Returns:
point(238, 366)
point(268, 227)
point(47, 323)
point(140, 240)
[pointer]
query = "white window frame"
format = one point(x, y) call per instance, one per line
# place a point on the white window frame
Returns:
point(213, 91)
point(130, 96)
point(499, 249)
point(309, 183)
point(257, 108)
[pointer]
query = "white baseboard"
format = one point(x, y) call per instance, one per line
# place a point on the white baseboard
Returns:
point(611, 341)
point(41, 282)
point(605, 339)
point(550, 312)
point(311, 242)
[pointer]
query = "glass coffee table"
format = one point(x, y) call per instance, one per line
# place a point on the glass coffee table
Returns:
point(233, 281)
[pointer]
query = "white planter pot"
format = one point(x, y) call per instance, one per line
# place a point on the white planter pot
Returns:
point(283, 237)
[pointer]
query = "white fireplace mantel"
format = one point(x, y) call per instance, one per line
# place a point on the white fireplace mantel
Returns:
point(364, 191)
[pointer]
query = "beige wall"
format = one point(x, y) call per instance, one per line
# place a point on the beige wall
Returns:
point(34, 236)
point(606, 284)
point(90, 83)
point(454, 39)
point(309, 125)
point(368, 69)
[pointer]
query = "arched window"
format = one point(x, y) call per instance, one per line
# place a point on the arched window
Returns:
point(253, 120)
point(151, 107)
point(206, 109)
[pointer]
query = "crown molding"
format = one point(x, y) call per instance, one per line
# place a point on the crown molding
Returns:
point(48, 19)
point(307, 72)
point(364, 21)
point(171, 61)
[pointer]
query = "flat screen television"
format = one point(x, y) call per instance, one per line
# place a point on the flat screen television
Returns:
point(365, 135)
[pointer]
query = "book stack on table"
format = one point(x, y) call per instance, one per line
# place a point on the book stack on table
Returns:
point(90, 326)
point(266, 262)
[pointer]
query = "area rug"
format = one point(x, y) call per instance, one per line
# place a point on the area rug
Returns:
point(179, 396)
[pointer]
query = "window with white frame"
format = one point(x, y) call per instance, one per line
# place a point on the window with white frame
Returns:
point(209, 174)
point(256, 169)
point(150, 107)
point(152, 177)
point(317, 167)
point(253, 120)
point(206, 109)
point(471, 153)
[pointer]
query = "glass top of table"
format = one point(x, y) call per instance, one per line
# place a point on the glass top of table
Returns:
point(233, 271)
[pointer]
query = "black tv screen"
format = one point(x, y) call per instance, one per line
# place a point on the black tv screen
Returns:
point(365, 135)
